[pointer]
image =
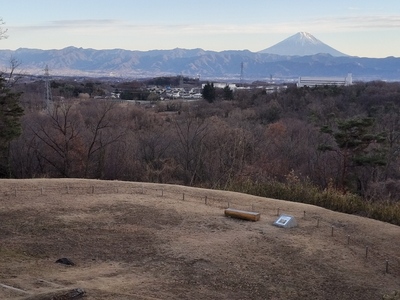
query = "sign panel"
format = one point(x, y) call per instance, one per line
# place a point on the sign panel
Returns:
point(285, 221)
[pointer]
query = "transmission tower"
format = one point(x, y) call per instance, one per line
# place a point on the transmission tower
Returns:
point(241, 73)
point(48, 88)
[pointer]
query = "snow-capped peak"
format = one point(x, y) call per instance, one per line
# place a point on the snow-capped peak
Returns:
point(306, 35)
point(302, 43)
point(304, 38)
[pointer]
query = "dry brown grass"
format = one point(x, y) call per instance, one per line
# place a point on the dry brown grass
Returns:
point(129, 245)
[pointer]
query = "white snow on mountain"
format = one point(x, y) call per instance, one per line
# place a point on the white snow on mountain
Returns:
point(301, 44)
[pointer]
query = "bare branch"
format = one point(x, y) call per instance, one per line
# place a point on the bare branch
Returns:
point(3, 31)
point(10, 74)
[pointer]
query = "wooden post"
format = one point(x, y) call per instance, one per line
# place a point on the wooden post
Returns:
point(332, 230)
point(277, 213)
point(183, 196)
point(67, 189)
point(366, 252)
point(304, 215)
point(162, 192)
point(205, 200)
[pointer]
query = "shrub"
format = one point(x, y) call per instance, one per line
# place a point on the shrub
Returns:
point(305, 192)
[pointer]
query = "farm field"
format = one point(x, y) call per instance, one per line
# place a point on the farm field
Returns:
point(133, 240)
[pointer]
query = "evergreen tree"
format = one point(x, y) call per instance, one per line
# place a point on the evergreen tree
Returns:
point(228, 93)
point(358, 145)
point(208, 92)
point(10, 126)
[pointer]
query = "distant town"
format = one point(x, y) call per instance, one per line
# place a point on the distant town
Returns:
point(159, 88)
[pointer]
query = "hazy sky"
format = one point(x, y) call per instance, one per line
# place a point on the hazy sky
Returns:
point(356, 27)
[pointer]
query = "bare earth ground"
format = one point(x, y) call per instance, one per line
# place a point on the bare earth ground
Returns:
point(148, 241)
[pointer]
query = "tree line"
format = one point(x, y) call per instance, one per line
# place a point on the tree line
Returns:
point(345, 137)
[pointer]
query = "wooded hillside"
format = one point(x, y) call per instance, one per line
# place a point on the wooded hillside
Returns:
point(341, 138)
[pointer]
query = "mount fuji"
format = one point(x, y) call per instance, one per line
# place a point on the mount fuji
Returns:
point(301, 44)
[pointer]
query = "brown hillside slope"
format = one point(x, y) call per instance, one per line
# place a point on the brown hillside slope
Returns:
point(148, 241)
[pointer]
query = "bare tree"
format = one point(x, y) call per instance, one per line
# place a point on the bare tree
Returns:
point(61, 143)
point(10, 74)
point(191, 133)
point(3, 31)
point(226, 152)
point(103, 128)
point(14, 63)
point(154, 145)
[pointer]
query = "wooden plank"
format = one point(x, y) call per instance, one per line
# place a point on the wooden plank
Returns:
point(242, 214)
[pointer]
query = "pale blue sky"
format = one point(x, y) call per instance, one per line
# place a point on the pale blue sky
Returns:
point(355, 27)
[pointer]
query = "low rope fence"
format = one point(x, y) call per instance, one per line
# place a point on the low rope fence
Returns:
point(388, 264)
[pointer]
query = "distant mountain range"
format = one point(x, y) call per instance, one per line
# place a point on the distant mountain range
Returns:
point(299, 55)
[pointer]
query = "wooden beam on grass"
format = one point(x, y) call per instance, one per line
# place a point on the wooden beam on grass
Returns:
point(242, 214)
